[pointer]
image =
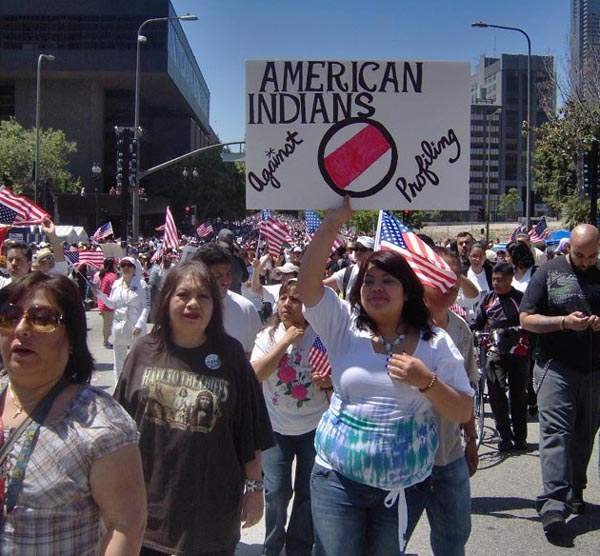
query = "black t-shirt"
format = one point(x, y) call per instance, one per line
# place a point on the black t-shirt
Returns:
point(556, 289)
point(201, 417)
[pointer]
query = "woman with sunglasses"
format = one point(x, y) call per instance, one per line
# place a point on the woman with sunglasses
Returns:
point(296, 398)
point(390, 370)
point(201, 418)
point(129, 298)
point(71, 477)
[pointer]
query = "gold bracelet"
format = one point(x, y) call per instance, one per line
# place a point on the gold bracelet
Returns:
point(431, 384)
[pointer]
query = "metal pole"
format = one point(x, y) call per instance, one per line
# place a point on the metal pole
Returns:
point(482, 24)
point(36, 179)
point(135, 205)
point(529, 131)
point(487, 189)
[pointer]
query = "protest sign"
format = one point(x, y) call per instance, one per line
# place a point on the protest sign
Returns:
point(112, 250)
point(391, 134)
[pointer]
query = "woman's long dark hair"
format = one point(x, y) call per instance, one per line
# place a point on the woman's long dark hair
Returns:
point(198, 271)
point(66, 296)
point(414, 311)
point(108, 266)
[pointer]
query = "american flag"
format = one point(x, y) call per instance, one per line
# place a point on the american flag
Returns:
point(171, 240)
point(521, 229)
point(317, 357)
point(89, 257)
point(157, 254)
point(539, 232)
point(204, 230)
point(103, 232)
point(431, 269)
point(19, 211)
point(313, 221)
point(276, 234)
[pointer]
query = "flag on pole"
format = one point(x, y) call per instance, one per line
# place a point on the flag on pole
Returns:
point(171, 241)
point(204, 230)
point(19, 211)
point(276, 234)
point(103, 232)
point(313, 221)
point(431, 269)
point(89, 257)
point(317, 357)
point(520, 229)
point(539, 232)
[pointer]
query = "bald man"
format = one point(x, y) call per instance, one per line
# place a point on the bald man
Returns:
point(562, 306)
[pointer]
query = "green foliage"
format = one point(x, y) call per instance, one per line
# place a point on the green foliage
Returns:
point(561, 143)
point(17, 152)
point(218, 191)
point(510, 203)
point(364, 221)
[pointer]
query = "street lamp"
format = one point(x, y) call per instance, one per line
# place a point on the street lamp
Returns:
point(481, 24)
point(136, 124)
point(36, 180)
point(96, 171)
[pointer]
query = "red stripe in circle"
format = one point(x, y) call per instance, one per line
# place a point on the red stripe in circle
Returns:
point(355, 156)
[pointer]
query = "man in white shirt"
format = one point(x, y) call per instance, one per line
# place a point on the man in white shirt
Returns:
point(240, 318)
point(343, 280)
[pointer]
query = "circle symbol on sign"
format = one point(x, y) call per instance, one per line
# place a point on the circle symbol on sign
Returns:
point(357, 157)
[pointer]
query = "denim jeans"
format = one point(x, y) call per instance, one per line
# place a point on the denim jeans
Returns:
point(277, 471)
point(447, 501)
point(351, 519)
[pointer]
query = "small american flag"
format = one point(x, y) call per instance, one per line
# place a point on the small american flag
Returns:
point(431, 269)
point(204, 230)
point(521, 229)
point(539, 232)
point(171, 241)
point(317, 357)
point(313, 221)
point(157, 254)
point(89, 257)
point(19, 211)
point(276, 234)
point(103, 232)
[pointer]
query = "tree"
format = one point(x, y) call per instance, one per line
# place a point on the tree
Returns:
point(510, 203)
point(17, 151)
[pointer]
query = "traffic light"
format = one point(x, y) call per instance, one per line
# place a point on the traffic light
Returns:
point(590, 169)
point(481, 214)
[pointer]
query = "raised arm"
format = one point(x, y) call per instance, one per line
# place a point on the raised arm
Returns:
point(310, 279)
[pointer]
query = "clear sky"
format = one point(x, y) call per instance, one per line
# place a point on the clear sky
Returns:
point(228, 32)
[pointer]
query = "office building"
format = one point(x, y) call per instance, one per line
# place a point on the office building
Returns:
point(584, 37)
point(500, 84)
point(89, 88)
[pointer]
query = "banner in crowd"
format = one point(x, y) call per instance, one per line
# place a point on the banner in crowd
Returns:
point(391, 134)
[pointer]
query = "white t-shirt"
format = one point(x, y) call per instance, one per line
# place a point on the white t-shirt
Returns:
point(294, 403)
point(521, 283)
point(359, 374)
point(479, 279)
point(339, 278)
point(240, 319)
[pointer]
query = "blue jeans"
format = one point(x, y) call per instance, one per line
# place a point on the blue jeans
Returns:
point(277, 471)
point(351, 518)
point(447, 500)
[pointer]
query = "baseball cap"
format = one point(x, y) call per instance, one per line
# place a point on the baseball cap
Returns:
point(287, 268)
point(43, 254)
point(365, 241)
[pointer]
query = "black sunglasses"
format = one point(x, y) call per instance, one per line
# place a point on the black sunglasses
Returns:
point(39, 318)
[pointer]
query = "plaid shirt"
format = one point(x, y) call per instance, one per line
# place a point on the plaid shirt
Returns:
point(55, 511)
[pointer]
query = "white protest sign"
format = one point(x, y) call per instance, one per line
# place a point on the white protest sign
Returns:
point(391, 134)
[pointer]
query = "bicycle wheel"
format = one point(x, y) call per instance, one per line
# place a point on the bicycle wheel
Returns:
point(479, 410)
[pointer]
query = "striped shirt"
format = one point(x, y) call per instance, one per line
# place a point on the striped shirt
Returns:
point(55, 512)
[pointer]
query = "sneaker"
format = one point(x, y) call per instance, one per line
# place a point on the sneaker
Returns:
point(575, 501)
point(553, 523)
point(108, 345)
point(505, 446)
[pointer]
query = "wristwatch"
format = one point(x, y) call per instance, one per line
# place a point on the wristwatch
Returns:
point(254, 486)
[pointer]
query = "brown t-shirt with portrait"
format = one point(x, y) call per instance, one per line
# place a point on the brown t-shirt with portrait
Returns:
point(201, 417)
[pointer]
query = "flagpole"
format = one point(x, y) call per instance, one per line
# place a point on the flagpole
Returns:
point(378, 231)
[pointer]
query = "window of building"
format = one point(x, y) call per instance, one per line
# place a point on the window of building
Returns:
point(7, 101)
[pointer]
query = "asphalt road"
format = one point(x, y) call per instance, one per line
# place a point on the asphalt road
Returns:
point(503, 491)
